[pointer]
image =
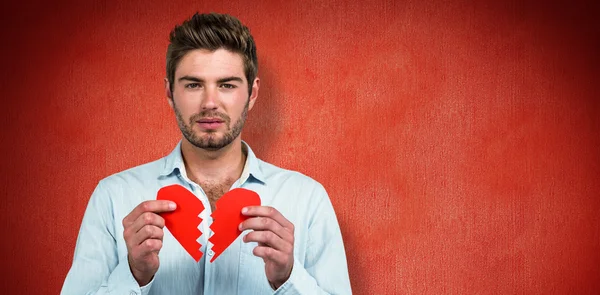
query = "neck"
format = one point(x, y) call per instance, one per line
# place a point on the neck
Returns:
point(213, 165)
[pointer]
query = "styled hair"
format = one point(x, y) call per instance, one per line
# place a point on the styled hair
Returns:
point(211, 32)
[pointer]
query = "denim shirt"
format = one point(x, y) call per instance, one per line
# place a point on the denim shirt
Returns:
point(100, 263)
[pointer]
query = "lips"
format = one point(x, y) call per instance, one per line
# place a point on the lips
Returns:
point(210, 123)
point(210, 120)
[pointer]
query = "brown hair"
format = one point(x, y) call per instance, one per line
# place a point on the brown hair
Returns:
point(211, 32)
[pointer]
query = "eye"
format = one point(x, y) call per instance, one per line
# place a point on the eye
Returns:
point(192, 85)
point(228, 86)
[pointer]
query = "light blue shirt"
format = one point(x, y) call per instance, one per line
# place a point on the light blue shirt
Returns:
point(100, 262)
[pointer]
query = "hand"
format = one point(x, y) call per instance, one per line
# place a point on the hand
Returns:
point(275, 237)
point(143, 234)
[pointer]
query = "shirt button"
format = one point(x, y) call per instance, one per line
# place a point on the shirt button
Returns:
point(211, 252)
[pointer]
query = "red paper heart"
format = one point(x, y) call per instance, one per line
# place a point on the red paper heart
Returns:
point(184, 221)
point(228, 216)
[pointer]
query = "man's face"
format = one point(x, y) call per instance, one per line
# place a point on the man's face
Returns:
point(210, 97)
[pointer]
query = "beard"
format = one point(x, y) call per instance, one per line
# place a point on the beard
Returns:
point(211, 140)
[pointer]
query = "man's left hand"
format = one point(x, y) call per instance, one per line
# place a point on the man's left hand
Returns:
point(275, 237)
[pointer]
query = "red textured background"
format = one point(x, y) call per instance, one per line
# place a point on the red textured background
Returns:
point(458, 139)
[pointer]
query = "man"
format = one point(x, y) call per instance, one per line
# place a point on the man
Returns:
point(290, 245)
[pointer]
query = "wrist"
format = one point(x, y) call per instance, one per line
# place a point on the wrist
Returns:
point(140, 277)
point(142, 281)
point(277, 284)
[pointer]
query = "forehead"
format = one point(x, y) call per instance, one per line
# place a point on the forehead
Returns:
point(205, 64)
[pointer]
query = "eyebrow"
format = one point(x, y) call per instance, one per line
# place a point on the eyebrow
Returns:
point(222, 80)
point(230, 79)
point(189, 78)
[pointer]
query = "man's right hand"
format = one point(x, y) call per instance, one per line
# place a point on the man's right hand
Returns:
point(143, 233)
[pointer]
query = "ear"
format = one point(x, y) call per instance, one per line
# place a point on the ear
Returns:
point(254, 94)
point(168, 92)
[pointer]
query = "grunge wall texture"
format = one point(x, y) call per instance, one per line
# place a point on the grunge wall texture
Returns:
point(458, 140)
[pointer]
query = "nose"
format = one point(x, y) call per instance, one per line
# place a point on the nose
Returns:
point(210, 98)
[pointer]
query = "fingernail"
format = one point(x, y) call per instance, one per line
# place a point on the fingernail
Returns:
point(240, 227)
point(244, 210)
point(172, 205)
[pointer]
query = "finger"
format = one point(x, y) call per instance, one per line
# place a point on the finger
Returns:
point(131, 234)
point(143, 253)
point(148, 232)
point(269, 239)
point(268, 224)
point(268, 253)
point(267, 211)
point(149, 246)
point(147, 218)
point(156, 206)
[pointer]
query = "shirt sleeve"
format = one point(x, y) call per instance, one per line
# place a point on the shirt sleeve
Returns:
point(325, 270)
point(96, 267)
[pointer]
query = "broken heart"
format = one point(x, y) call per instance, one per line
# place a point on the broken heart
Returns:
point(184, 221)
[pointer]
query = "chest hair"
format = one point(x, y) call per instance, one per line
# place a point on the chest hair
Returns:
point(215, 189)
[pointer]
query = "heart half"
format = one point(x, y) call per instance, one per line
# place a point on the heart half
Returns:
point(184, 221)
point(228, 216)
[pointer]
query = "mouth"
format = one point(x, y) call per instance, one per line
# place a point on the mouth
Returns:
point(210, 123)
point(210, 120)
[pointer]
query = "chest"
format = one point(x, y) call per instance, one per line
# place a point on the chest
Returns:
point(215, 189)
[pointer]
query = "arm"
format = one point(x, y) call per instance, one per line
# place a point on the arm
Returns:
point(97, 268)
point(324, 271)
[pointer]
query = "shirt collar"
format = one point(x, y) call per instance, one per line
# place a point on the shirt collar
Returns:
point(174, 163)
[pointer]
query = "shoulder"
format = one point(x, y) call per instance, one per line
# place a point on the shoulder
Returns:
point(292, 188)
point(273, 173)
point(142, 173)
point(137, 177)
point(120, 192)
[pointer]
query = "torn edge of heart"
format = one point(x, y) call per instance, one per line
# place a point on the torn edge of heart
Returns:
point(227, 218)
point(183, 223)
